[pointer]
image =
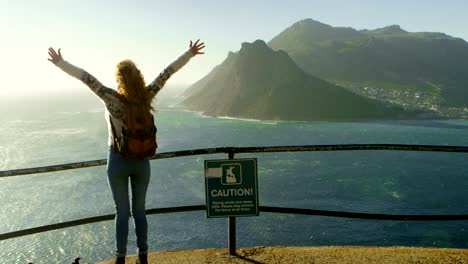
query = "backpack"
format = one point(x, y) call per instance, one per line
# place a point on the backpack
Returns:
point(137, 139)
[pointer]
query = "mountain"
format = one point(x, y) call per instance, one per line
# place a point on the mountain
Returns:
point(260, 83)
point(390, 30)
point(388, 57)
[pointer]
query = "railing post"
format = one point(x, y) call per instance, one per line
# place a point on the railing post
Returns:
point(231, 225)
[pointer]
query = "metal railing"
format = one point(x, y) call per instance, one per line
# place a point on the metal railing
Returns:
point(234, 150)
point(231, 151)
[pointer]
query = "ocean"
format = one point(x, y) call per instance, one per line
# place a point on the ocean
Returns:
point(48, 130)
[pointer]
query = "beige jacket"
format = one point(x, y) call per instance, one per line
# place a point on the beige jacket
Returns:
point(115, 109)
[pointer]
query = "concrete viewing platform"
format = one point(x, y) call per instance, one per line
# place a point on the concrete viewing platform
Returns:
point(316, 255)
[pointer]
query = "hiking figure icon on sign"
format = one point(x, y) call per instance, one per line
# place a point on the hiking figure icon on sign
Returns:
point(232, 174)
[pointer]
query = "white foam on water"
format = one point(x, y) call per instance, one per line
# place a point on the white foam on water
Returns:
point(61, 250)
point(395, 195)
point(3, 157)
point(268, 122)
point(59, 132)
point(96, 110)
point(11, 157)
point(70, 113)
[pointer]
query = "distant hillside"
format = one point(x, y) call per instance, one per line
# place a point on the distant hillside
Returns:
point(432, 62)
point(259, 83)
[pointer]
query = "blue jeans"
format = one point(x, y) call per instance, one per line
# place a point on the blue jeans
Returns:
point(119, 171)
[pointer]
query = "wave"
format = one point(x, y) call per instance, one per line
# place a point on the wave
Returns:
point(202, 114)
point(449, 124)
point(61, 131)
point(268, 122)
point(173, 106)
point(95, 110)
point(70, 113)
point(10, 157)
point(23, 121)
point(4, 160)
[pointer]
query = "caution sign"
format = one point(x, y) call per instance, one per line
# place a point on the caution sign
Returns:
point(231, 187)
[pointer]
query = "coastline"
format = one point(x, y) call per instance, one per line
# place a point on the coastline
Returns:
point(316, 255)
point(329, 120)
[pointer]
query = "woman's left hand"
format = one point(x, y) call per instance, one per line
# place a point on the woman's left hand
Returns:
point(196, 47)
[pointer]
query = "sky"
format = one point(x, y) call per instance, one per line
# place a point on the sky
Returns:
point(96, 35)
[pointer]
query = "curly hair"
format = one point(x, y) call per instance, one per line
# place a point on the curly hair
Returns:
point(131, 84)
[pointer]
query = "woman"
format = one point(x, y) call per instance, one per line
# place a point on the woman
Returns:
point(131, 91)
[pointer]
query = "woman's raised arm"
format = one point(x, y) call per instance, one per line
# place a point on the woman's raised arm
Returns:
point(158, 83)
point(100, 90)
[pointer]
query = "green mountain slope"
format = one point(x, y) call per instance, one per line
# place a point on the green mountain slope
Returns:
point(432, 62)
point(259, 83)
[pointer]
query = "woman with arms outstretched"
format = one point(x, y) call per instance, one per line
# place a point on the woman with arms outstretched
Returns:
point(131, 100)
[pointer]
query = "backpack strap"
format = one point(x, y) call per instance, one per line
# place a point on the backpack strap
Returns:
point(115, 147)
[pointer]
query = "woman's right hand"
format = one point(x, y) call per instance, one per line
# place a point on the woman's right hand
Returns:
point(54, 56)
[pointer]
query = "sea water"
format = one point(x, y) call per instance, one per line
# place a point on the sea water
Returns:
point(40, 131)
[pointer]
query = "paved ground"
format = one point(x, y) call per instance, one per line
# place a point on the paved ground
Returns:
point(316, 255)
